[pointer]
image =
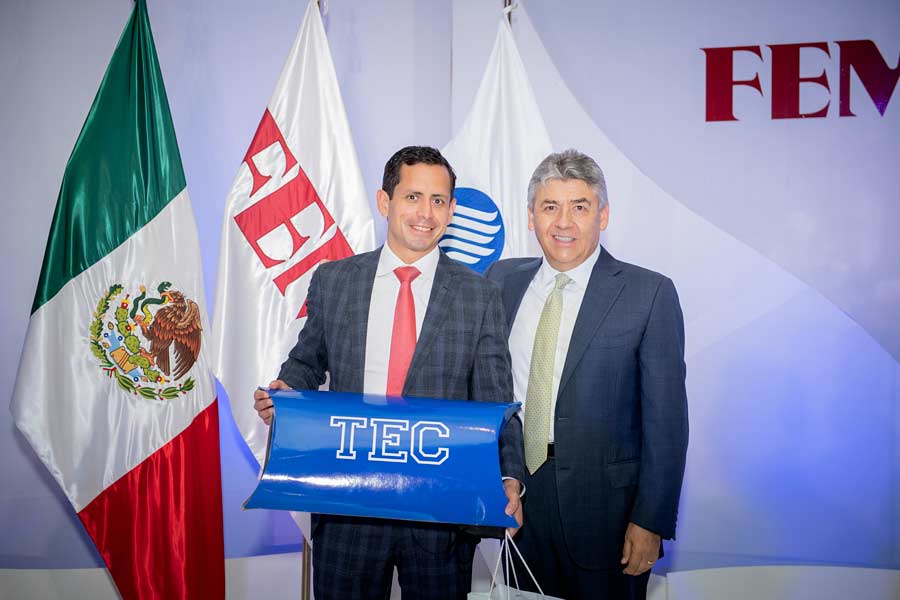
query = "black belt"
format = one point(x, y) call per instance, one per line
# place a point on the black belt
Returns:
point(550, 452)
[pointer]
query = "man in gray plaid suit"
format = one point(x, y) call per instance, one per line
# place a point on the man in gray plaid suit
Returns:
point(457, 349)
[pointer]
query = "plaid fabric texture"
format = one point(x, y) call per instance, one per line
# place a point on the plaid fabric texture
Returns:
point(461, 354)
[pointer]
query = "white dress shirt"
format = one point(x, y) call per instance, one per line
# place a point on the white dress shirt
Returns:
point(381, 312)
point(521, 338)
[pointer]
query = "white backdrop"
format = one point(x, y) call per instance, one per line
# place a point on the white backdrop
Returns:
point(779, 234)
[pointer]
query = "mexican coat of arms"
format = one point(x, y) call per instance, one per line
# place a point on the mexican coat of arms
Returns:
point(136, 342)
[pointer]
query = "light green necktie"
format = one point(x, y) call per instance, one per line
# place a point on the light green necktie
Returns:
point(538, 398)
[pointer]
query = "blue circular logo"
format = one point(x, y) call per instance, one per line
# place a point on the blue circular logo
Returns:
point(476, 235)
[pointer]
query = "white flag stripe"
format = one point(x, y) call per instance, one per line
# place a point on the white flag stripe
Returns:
point(465, 247)
point(467, 235)
point(90, 421)
point(473, 213)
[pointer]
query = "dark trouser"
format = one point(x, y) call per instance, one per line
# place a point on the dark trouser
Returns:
point(354, 559)
point(543, 546)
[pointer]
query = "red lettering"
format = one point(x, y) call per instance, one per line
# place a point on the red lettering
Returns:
point(295, 206)
point(786, 81)
point(276, 210)
point(720, 81)
point(877, 77)
point(267, 134)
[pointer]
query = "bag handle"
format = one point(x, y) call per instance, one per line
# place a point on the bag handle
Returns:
point(504, 552)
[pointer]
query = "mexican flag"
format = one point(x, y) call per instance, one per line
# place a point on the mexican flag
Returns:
point(114, 390)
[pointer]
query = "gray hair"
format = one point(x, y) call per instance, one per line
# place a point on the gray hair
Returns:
point(569, 164)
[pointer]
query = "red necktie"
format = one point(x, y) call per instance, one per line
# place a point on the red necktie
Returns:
point(403, 338)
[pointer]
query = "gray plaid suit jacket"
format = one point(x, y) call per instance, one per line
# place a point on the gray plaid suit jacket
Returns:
point(461, 353)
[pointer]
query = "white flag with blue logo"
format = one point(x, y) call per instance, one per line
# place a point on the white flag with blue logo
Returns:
point(501, 141)
point(494, 154)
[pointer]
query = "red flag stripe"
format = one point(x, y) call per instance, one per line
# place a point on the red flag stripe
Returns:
point(159, 532)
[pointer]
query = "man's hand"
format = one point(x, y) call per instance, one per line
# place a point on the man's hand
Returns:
point(263, 403)
point(513, 488)
point(640, 551)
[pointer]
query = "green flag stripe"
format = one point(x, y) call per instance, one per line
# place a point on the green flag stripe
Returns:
point(125, 167)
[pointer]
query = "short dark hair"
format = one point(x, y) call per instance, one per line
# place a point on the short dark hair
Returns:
point(413, 155)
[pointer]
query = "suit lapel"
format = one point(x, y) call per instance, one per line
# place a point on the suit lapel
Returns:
point(360, 292)
point(602, 290)
point(438, 306)
point(514, 287)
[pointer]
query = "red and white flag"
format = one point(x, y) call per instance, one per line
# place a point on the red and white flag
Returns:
point(297, 200)
point(115, 391)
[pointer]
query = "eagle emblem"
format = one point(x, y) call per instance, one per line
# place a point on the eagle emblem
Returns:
point(150, 342)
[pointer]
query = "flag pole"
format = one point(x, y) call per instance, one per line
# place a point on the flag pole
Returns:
point(305, 570)
point(306, 564)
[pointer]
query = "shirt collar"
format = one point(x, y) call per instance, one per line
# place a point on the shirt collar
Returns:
point(580, 275)
point(388, 261)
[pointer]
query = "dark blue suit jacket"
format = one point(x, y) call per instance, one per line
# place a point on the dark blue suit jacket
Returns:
point(461, 353)
point(621, 425)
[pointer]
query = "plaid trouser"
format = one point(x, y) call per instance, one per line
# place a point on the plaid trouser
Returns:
point(354, 559)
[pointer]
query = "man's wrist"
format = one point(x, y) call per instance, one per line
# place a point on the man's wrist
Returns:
point(520, 487)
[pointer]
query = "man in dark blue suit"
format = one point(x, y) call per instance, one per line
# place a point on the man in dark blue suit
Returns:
point(598, 361)
point(403, 320)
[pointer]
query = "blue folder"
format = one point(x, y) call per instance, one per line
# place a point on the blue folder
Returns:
point(418, 459)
